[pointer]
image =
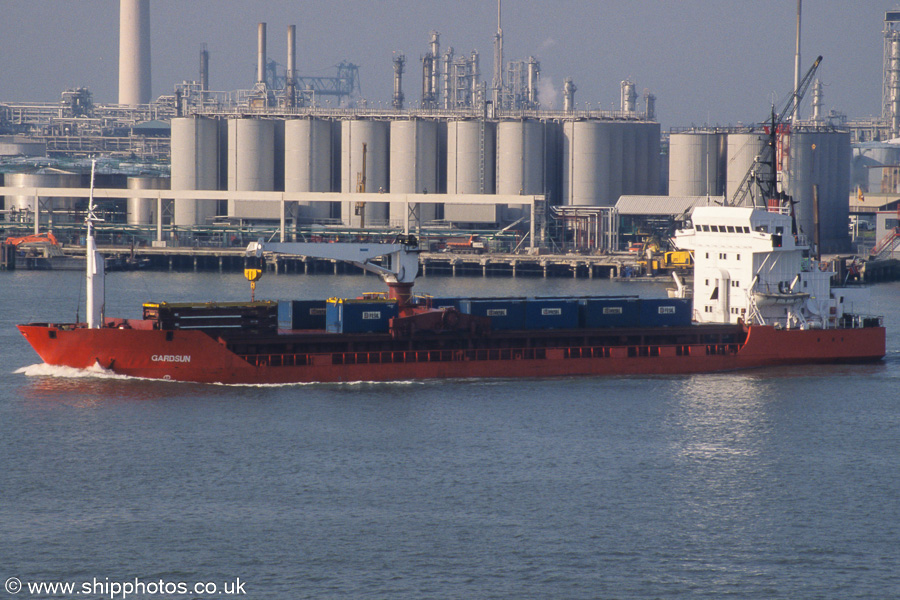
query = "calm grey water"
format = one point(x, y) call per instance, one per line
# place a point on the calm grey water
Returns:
point(777, 483)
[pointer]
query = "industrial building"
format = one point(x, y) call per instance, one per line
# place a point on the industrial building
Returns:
point(463, 141)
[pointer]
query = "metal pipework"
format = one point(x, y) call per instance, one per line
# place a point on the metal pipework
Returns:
point(629, 96)
point(399, 62)
point(817, 101)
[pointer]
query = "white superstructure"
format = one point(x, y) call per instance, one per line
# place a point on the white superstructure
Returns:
point(750, 267)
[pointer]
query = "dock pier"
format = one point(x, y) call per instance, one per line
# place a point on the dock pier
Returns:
point(224, 260)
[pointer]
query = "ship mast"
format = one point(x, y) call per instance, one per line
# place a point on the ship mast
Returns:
point(762, 177)
point(94, 267)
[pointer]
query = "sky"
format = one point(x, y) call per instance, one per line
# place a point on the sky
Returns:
point(708, 62)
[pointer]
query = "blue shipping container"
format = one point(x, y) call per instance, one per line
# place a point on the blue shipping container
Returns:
point(551, 313)
point(441, 303)
point(301, 314)
point(610, 312)
point(505, 313)
point(665, 312)
point(359, 316)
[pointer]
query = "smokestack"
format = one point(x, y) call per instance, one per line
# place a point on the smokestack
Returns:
point(569, 95)
point(204, 69)
point(292, 51)
point(261, 53)
point(134, 52)
point(291, 65)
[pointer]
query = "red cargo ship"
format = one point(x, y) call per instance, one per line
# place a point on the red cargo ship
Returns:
point(758, 301)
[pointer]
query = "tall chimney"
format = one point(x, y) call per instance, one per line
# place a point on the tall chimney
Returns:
point(291, 75)
point(134, 52)
point(261, 53)
point(204, 69)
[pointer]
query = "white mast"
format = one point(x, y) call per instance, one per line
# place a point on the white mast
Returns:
point(94, 268)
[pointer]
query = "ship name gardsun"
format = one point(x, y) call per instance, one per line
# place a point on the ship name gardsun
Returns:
point(181, 358)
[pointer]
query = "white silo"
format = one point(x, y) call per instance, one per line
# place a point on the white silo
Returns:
point(196, 152)
point(820, 165)
point(615, 187)
point(743, 149)
point(134, 52)
point(873, 166)
point(145, 211)
point(375, 136)
point(251, 166)
point(64, 206)
point(308, 163)
point(471, 157)
point(630, 144)
point(471, 168)
point(586, 163)
point(413, 165)
point(696, 163)
point(520, 161)
point(646, 158)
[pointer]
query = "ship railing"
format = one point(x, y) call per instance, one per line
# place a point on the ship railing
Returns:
point(496, 354)
point(852, 321)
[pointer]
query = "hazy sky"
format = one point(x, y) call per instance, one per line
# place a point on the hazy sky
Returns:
point(707, 61)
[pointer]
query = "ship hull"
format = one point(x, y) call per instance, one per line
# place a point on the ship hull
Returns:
point(194, 356)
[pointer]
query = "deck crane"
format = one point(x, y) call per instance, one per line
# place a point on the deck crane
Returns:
point(399, 274)
point(762, 173)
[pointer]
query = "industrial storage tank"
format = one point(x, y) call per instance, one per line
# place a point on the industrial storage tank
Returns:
point(145, 211)
point(197, 149)
point(874, 168)
point(697, 162)
point(520, 161)
point(11, 145)
point(471, 168)
point(603, 160)
point(375, 135)
point(64, 206)
point(308, 164)
point(820, 165)
point(251, 166)
point(646, 159)
point(413, 166)
point(586, 163)
point(743, 149)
